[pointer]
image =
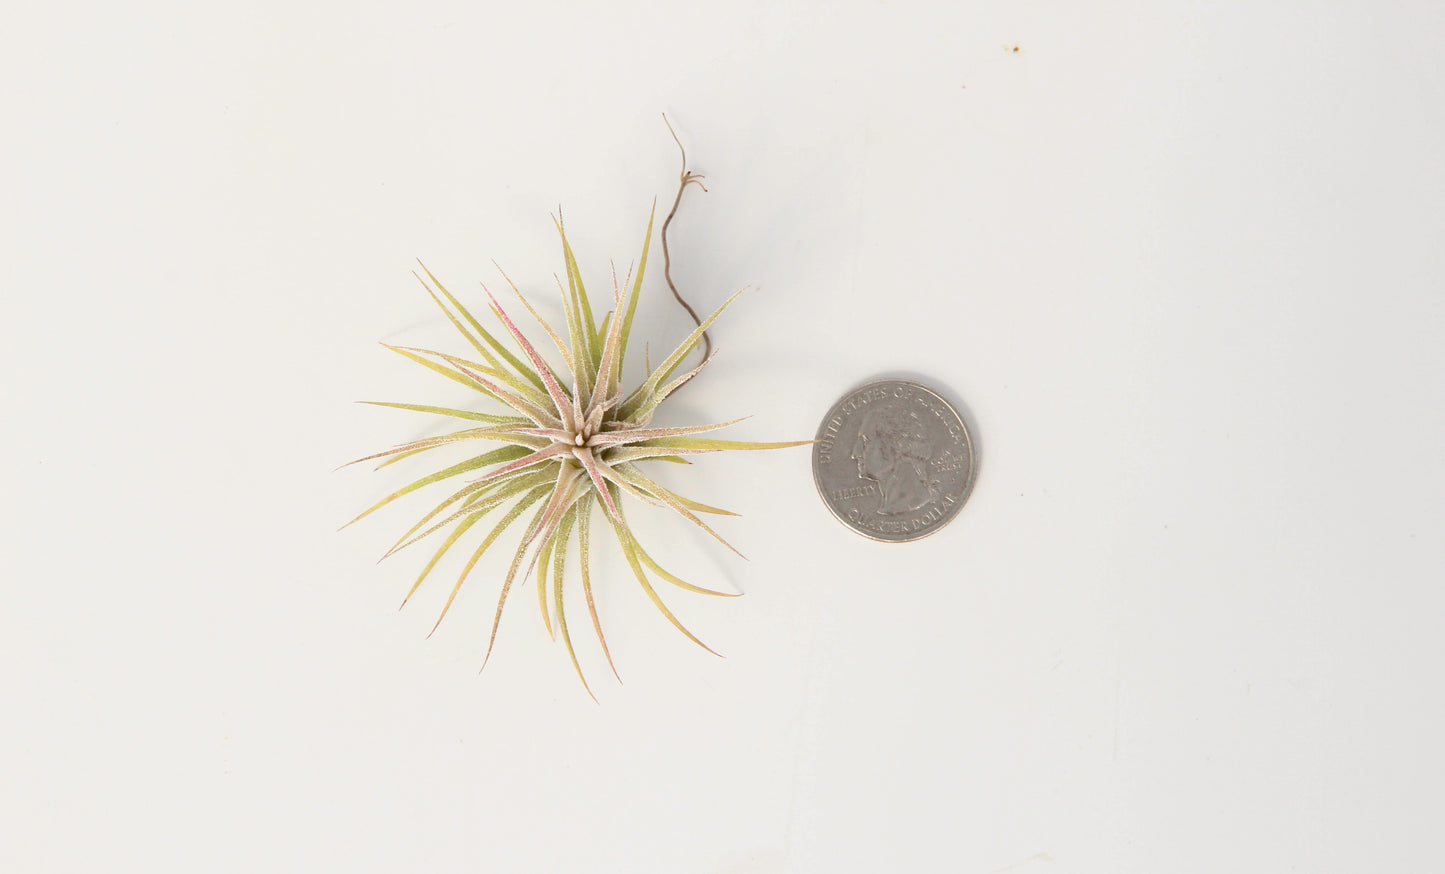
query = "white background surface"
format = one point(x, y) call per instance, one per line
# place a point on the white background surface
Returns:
point(1180, 261)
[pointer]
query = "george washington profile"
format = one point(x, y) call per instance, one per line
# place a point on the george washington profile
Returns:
point(893, 452)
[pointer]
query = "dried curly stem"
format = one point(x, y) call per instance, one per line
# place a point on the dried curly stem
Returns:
point(685, 180)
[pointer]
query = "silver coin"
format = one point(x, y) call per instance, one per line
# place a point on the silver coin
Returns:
point(894, 461)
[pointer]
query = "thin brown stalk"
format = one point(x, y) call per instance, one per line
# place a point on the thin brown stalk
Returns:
point(684, 180)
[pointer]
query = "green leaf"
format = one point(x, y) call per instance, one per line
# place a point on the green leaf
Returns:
point(504, 453)
point(491, 341)
point(682, 584)
point(544, 567)
point(639, 397)
point(437, 368)
point(517, 386)
point(633, 294)
point(531, 498)
point(560, 557)
point(441, 551)
point(481, 498)
point(400, 456)
point(584, 537)
point(456, 323)
point(630, 553)
point(553, 510)
point(703, 444)
point(454, 413)
point(567, 355)
point(497, 433)
point(631, 476)
point(575, 287)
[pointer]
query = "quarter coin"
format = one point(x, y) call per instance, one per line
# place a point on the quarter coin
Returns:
point(894, 461)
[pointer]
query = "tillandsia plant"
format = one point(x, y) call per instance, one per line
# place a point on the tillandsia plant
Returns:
point(567, 440)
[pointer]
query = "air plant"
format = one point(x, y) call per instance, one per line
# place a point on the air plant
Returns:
point(564, 441)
